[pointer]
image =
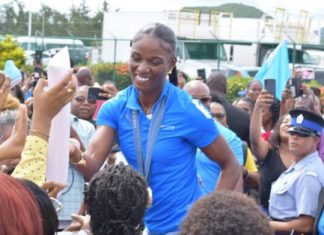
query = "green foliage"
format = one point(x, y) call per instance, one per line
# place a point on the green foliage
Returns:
point(238, 10)
point(313, 83)
point(9, 50)
point(78, 22)
point(234, 85)
point(107, 71)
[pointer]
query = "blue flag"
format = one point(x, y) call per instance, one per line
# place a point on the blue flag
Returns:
point(276, 66)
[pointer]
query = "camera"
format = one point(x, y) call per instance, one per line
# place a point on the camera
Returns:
point(93, 94)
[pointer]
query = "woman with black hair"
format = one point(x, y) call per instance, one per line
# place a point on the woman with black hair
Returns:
point(115, 200)
point(159, 128)
point(46, 208)
point(273, 155)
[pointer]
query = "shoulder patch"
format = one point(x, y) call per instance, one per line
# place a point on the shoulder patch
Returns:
point(311, 173)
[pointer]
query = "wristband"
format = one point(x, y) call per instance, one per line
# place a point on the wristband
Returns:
point(39, 134)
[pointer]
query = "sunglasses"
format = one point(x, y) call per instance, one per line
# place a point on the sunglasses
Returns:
point(203, 99)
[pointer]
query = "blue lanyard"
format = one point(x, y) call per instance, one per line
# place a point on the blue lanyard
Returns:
point(157, 116)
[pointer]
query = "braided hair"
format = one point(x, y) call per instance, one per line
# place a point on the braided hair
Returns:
point(164, 34)
point(116, 201)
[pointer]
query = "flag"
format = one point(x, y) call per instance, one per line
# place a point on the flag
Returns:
point(276, 66)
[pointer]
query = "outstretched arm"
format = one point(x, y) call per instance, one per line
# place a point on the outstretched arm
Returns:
point(259, 146)
point(96, 153)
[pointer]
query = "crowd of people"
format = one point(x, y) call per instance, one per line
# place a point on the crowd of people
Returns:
point(164, 156)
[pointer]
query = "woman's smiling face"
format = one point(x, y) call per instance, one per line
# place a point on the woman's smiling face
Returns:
point(284, 127)
point(150, 61)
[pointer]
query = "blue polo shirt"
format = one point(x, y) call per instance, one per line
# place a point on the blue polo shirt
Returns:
point(209, 170)
point(296, 190)
point(186, 126)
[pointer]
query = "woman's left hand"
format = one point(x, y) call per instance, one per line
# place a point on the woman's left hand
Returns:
point(52, 188)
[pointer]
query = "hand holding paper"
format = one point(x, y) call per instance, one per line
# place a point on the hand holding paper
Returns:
point(58, 152)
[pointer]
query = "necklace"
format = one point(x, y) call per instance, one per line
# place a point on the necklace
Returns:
point(147, 110)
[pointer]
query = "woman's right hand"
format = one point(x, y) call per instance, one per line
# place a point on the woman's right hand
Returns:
point(48, 103)
point(265, 99)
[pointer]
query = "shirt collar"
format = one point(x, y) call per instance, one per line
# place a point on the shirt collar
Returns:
point(74, 118)
point(132, 102)
point(304, 162)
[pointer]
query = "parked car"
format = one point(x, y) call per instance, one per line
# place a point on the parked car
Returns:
point(78, 56)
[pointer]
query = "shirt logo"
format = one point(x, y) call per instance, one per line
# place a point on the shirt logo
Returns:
point(168, 128)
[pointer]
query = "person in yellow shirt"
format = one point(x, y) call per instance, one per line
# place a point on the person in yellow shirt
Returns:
point(46, 105)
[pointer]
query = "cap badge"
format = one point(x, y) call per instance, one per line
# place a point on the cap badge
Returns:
point(299, 119)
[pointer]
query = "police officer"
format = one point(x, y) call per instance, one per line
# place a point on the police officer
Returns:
point(294, 196)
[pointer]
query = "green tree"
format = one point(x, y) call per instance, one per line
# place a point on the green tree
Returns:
point(106, 71)
point(79, 20)
point(234, 85)
point(14, 19)
point(9, 50)
point(49, 22)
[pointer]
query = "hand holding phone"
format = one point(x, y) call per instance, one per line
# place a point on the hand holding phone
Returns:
point(93, 94)
point(38, 57)
point(201, 73)
point(295, 87)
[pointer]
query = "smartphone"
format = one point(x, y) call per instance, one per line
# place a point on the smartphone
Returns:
point(270, 86)
point(201, 73)
point(93, 94)
point(37, 72)
point(295, 85)
point(38, 56)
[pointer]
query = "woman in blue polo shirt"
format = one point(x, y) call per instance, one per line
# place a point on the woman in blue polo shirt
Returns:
point(159, 129)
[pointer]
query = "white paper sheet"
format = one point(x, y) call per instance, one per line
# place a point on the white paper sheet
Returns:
point(58, 150)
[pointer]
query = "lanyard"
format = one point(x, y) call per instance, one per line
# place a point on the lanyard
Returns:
point(157, 116)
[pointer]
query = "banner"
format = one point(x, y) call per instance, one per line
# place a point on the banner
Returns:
point(276, 66)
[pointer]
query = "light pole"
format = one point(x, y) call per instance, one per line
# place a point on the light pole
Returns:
point(29, 24)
